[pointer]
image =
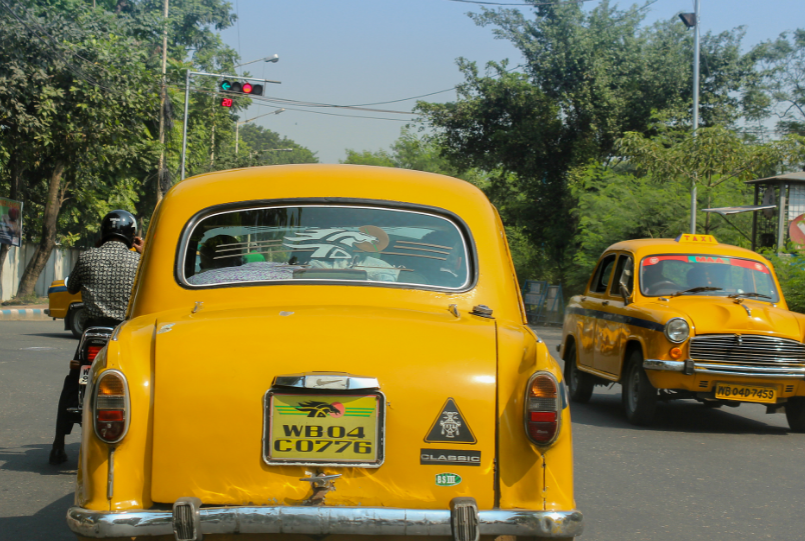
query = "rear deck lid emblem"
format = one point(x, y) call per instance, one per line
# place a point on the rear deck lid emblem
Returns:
point(450, 426)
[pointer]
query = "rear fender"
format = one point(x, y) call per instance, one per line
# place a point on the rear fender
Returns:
point(529, 477)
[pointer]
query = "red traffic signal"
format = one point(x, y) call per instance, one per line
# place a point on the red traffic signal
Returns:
point(241, 88)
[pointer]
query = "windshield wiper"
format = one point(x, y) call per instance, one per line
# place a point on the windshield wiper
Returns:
point(752, 294)
point(696, 290)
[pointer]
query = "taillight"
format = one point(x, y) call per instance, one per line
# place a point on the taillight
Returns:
point(543, 408)
point(92, 352)
point(111, 406)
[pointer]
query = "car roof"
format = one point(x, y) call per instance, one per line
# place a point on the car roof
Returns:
point(643, 247)
point(322, 181)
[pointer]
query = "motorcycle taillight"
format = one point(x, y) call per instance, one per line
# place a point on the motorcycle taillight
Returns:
point(92, 352)
point(111, 406)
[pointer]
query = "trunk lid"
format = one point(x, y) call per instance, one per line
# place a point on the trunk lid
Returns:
point(214, 368)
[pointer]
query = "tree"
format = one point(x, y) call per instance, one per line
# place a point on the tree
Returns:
point(783, 80)
point(716, 159)
point(85, 121)
point(590, 77)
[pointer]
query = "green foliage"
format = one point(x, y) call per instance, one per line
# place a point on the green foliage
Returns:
point(790, 271)
point(265, 147)
point(590, 77)
point(783, 80)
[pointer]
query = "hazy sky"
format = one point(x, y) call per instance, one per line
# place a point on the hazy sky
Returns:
point(354, 52)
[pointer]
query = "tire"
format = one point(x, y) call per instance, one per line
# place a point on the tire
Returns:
point(639, 395)
point(795, 413)
point(579, 384)
point(78, 321)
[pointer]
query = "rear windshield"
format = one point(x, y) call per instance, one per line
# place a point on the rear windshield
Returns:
point(326, 243)
point(673, 273)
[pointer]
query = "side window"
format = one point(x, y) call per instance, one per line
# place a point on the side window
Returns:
point(614, 288)
point(602, 274)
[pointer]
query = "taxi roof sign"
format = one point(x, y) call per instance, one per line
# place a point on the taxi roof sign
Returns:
point(696, 239)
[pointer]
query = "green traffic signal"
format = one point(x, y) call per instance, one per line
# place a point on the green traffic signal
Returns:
point(225, 85)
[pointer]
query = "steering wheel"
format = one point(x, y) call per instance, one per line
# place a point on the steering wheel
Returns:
point(665, 284)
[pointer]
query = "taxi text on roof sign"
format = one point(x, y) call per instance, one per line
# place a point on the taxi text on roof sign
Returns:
point(696, 239)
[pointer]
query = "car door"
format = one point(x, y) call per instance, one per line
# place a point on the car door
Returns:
point(591, 304)
point(611, 328)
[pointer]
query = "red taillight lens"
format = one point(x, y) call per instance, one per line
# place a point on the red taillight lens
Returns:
point(111, 406)
point(542, 408)
point(92, 352)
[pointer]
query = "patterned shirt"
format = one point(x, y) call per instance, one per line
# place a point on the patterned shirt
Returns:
point(105, 277)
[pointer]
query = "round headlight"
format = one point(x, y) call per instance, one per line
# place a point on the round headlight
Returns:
point(677, 330)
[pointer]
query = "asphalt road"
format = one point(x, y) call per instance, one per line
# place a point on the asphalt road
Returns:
point(727, 474)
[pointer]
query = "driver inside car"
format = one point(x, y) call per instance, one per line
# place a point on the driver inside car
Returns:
point(654, 282)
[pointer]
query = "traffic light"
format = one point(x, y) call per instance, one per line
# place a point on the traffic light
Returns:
point(241, 88)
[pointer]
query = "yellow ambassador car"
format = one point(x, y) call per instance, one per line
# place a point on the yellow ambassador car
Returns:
point(64, 305)
point(325, 352)
point(686, 318)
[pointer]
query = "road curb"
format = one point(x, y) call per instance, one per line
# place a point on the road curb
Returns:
point(23, 314)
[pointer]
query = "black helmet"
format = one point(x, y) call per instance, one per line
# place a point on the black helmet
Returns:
point(119, 225)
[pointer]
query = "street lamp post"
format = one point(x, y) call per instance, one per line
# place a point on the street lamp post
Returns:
point(237, 126)
point(691, 20)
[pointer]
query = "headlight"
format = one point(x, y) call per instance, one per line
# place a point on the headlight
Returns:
point(677, 330)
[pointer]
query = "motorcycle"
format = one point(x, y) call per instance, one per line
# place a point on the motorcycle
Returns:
point(92, 342)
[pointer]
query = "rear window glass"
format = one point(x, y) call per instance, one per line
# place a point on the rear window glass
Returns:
point(326, 243)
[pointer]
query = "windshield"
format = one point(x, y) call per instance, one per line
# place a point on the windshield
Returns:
point(326, 243)
point(670, 274)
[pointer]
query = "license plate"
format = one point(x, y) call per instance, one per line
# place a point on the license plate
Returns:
point(316, 429)
point(745, 393)
point(83, 377)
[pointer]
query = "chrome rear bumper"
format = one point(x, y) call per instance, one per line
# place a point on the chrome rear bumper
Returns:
point(378, 521)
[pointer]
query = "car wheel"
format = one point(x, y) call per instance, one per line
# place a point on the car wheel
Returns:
point(78, 322)
point(580, 384)
point(639, 395)
point(795, 413)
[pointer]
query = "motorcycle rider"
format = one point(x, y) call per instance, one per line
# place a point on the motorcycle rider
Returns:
point(105, 277)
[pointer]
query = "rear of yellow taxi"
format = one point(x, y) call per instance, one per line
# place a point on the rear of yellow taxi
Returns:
point(331, 408)
point(714, 345)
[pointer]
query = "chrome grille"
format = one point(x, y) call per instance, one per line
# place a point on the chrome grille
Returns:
point(750, 349)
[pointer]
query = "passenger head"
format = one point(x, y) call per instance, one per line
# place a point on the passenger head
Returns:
point(221, 251)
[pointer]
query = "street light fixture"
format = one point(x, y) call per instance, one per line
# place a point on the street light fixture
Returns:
point(274, 58)
point(237, 127)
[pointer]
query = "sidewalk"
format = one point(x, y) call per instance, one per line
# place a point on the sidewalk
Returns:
point(23, 312)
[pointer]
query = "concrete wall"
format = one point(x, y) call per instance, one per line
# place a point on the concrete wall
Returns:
point(59, 265)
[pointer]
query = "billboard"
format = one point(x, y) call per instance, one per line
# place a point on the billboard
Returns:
point(10, 222)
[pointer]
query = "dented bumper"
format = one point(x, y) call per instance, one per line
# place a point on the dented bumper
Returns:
point(376, 521)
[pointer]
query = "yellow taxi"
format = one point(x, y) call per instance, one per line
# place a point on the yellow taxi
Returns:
point(64, 305)
point(686, 318)
point(316, 351)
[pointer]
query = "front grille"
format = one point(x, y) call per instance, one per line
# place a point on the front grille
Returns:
point(747, 355)
point(749, 349)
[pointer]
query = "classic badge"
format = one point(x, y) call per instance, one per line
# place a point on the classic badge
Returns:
point(450, 426)
point(447, 479)
point(452, 457)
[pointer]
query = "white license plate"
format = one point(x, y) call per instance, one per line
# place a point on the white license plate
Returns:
point(83, 378)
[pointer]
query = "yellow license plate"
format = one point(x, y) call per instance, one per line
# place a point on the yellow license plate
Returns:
point(314, 429)
point(745, 393)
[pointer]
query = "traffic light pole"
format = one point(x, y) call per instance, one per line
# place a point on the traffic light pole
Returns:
point(187, 102)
